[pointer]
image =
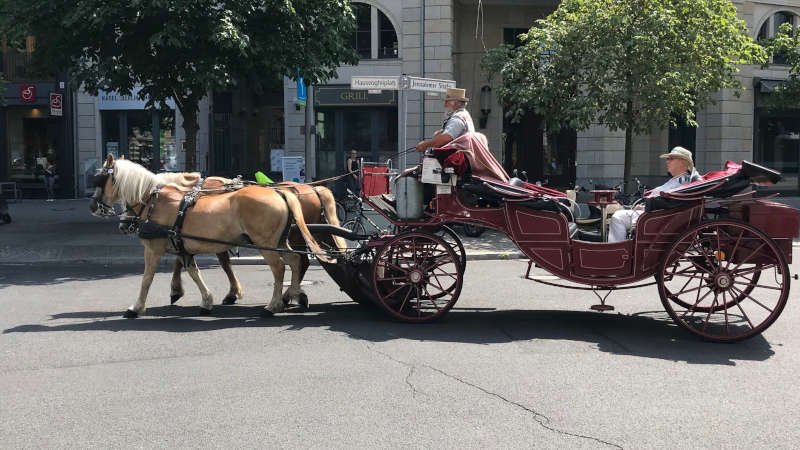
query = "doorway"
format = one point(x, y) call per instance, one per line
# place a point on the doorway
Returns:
point(548, 158)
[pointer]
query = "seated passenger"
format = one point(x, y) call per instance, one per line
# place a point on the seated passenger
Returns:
point(680, 166)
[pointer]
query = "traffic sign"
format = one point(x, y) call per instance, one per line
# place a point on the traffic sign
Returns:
point(429, 84)
point(375, 83)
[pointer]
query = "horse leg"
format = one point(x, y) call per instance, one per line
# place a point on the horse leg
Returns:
point(205, 293)
point(299, 265)
point(152, 255)
point(176, 286)
point(276, 264)
point(235, 292)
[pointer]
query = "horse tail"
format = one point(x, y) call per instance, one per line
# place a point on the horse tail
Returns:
point(297, 211)
point(329, 207)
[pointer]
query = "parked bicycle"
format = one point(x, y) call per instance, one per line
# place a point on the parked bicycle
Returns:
point(355, 218)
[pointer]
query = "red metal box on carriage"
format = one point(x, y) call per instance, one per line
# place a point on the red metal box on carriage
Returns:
point(376, 179)
point(780, 222)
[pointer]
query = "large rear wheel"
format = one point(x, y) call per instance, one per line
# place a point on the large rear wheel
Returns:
point(724, 281)
point(417, 277)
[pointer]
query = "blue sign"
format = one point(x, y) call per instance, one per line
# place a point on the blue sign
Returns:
point(302, 94)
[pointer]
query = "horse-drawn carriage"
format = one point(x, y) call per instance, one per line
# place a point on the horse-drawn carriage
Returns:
point(718, 255)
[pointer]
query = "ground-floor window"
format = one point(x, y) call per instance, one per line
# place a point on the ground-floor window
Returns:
point(371, 131)
point(131, 133)
point(777, 145)
point(31, 141)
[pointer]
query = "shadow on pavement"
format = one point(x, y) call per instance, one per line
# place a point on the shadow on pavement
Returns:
point(51, 274)
point(647, 335)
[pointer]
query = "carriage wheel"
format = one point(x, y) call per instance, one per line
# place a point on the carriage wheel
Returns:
point(724, 281)
point(417, 277)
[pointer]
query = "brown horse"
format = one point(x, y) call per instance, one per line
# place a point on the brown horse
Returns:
point(319, 206)
point(250, 213)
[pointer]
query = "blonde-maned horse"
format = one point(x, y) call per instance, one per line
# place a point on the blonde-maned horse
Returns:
point(260, 215)
point(318, 204)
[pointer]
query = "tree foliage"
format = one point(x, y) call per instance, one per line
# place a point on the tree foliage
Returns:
point(786, 43)
point(182, 49)
point(633, 65)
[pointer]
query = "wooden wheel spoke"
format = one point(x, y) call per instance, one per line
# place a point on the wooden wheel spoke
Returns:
point(744, 314)
point(735, 247)
point(754, 252)
point(758, 285)
point(755, 269)
point(710, 310)
point(751, 298)
point(693, 308)
point(389, 295)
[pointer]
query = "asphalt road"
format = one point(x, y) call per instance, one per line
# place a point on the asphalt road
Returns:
point(515, 365)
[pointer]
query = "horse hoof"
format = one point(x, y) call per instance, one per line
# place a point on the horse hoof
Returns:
point(302, 300)
point(205, 312)
point(174, 298)
point(229, 300)
point(265, 313)
point(130, 314)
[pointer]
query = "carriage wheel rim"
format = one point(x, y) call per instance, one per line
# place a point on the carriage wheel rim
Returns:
point(417, 277)
point(711, 283)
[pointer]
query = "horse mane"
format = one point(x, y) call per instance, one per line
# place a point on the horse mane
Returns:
point(133, 182)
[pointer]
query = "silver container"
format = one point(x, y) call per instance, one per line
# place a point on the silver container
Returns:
point(408, 195)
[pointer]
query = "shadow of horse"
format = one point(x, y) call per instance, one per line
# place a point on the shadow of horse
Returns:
point(646, 335)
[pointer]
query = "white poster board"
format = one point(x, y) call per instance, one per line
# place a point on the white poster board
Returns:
point(294, 169)
point(276, 159)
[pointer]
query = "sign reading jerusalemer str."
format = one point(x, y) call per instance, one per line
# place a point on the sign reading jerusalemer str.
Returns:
point(429, 84)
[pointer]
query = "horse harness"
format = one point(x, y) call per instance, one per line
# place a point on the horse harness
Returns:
point(147, 229)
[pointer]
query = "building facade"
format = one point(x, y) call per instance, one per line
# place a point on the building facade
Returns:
point(445, 39)
point(244, 131)
point(36, 127)
point(112, 123)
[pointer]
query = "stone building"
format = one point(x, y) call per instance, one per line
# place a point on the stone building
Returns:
point(244, 131)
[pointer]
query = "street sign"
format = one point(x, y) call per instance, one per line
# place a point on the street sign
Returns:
point(375, 83)
point(56, 108)
point(27, 93)
point(429, 84)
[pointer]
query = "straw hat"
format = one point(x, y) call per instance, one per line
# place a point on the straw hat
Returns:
point(680, 152)
point(456, 94)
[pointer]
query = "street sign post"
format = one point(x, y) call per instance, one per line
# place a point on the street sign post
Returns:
point(402, 84)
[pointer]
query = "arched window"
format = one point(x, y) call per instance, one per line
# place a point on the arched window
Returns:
point(772, 25)
point(375, 36)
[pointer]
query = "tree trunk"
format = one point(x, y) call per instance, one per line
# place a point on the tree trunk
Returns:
point(190, 127)
point(627, 185)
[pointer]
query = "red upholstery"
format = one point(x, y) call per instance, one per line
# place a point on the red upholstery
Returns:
point(375, 181)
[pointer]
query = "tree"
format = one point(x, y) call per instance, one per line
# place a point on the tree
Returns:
point(182, 49)
point(634, 65)
point(786, 43)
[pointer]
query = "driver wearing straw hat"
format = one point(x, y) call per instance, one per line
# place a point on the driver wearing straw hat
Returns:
point(456, 123)
point(680, 166)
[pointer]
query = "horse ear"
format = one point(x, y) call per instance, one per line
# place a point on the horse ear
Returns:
point(109, 160)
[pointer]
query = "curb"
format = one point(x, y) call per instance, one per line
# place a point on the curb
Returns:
point(210, 260)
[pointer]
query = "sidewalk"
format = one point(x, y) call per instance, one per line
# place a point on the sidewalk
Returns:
point(64, 231)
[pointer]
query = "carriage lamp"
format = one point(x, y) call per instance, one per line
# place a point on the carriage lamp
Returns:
point(485, 102)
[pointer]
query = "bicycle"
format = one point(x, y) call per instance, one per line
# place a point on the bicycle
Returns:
point(356, 223)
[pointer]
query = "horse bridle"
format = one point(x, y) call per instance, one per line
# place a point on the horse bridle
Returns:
point(103, 209)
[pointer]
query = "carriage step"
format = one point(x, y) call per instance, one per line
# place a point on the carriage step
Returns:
point(602, 307)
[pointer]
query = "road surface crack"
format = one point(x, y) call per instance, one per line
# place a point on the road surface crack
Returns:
point(540, 418)
point(411, 369)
